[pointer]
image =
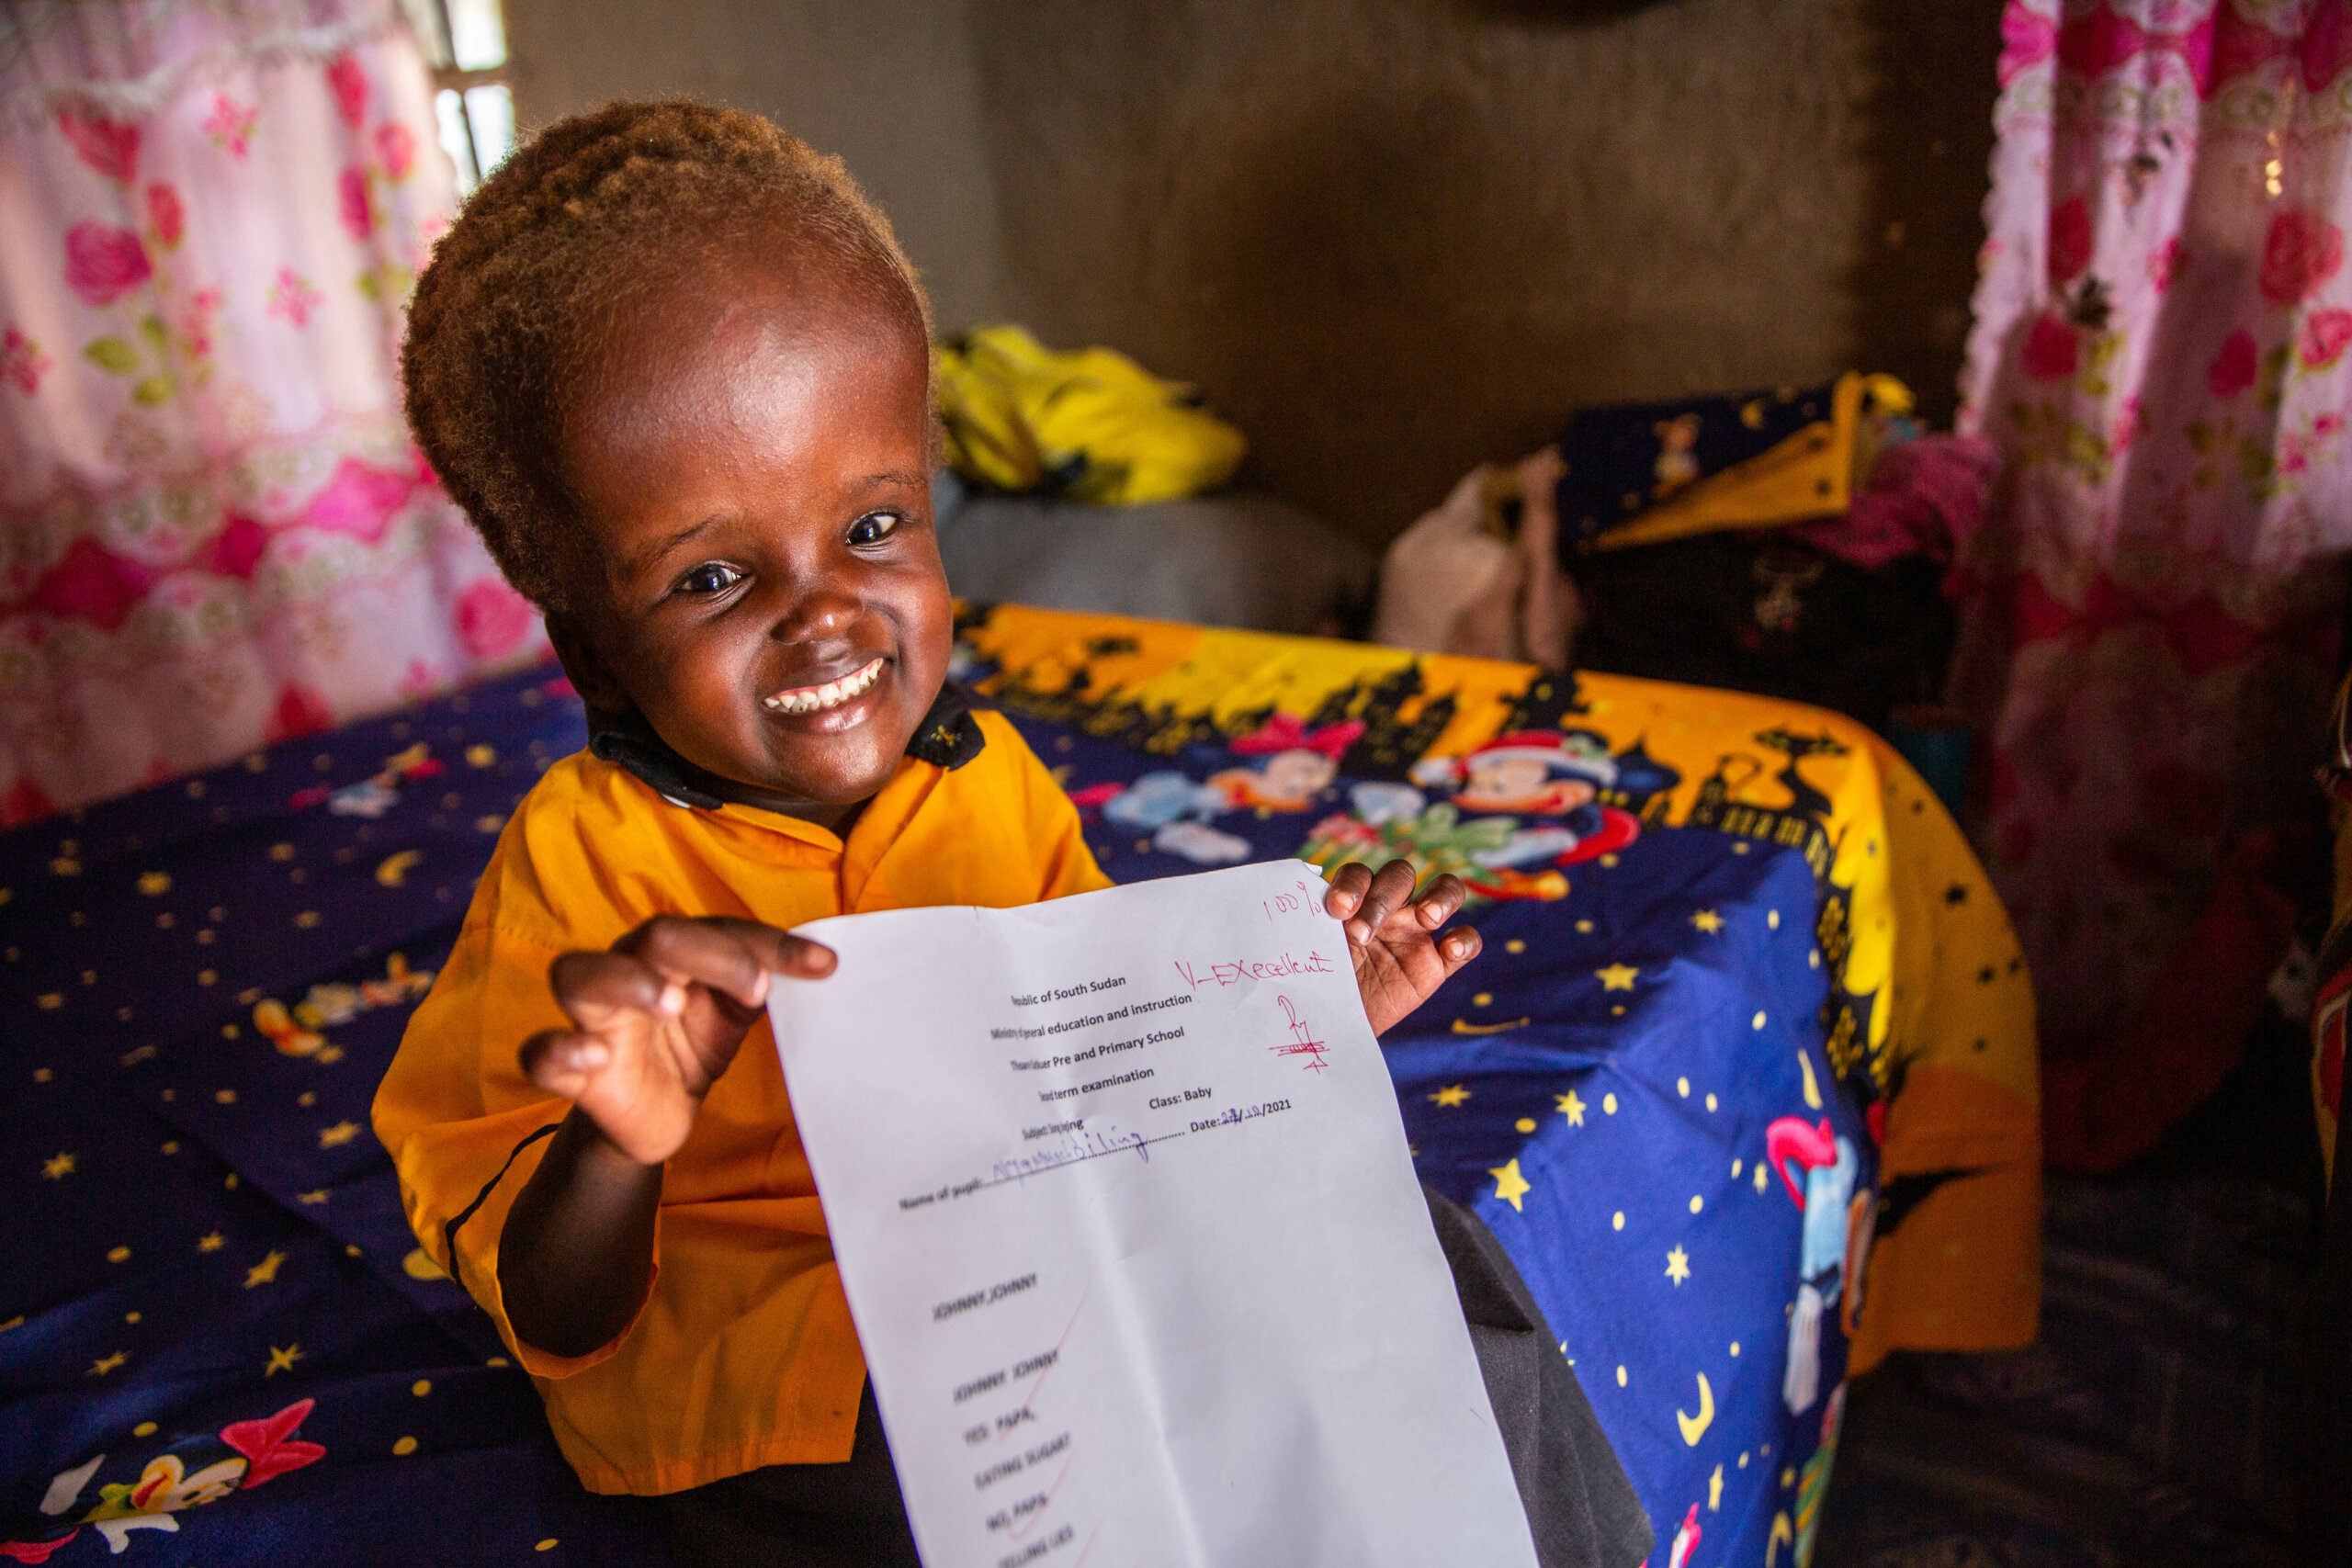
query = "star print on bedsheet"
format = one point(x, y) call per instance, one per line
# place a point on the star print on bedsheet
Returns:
point(1612, 1110)
point(1510, 1186)
point(191, 1193)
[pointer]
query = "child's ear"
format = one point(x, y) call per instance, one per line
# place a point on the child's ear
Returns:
point(585, 666)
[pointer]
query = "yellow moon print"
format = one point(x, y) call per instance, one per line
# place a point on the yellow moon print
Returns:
point(1695, 1426)
point(394, 871)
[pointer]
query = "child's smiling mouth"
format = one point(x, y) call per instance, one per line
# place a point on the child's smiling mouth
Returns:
point(830, 694)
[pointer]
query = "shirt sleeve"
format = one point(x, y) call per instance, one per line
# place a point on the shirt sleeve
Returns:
point(466, 1129)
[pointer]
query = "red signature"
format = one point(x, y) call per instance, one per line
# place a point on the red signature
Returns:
point(1301, 1041)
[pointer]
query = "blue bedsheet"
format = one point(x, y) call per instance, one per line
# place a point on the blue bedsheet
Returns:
point(219, 1342)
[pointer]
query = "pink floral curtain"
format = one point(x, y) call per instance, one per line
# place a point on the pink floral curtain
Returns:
point(2160, 346)
point(213, 530)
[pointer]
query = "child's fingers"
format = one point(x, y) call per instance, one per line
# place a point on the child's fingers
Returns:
point(1349, 884)
point(592, 986)
point(780, 952)
point(1458, 947)
point(1392, 887)
point(1441, 902)
point(710, 952)
point(564, 1063)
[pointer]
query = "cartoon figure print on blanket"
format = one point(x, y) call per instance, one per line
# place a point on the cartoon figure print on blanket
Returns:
point(296, 1031)
point(191, 1472)
point(379, 792)
point(1586, 799)
point(1297, 766)
point(1559, 774)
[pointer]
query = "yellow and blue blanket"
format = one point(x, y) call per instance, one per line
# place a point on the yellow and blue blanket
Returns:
point(1744, 1079)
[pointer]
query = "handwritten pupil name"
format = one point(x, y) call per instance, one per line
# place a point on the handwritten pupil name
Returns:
point(1076, 1149)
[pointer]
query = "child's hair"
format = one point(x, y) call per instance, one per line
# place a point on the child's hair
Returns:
point(595, 210)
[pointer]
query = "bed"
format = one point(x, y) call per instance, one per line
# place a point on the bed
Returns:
point(1743, 1080)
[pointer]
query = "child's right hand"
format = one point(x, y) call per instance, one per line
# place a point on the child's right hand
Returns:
point(658, 1017)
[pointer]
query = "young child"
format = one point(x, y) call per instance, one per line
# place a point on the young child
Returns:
point(675, 369)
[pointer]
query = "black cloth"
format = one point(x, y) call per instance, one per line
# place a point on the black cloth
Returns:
point(1580, 1509)
point(800, 1516)
point(1769, 613)
point(2327, 1490)
point(948, 737)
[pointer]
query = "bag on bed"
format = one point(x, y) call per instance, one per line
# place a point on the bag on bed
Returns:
point(1480, 576)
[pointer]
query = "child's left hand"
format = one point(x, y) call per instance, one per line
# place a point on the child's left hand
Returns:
point(1392, 939)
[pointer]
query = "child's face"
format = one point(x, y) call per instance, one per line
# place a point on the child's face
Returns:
point(763, 583)
point(1298, 775)
point(1512, 782)
point(1505, 778)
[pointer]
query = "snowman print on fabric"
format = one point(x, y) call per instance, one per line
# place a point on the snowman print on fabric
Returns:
point(1829, 1166)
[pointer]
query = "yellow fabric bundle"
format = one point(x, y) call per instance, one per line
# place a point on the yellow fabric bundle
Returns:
point(1092, 425)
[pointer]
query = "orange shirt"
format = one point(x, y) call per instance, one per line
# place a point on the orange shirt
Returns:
point(743, 1354)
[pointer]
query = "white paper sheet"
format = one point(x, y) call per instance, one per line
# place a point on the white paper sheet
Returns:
point(1123, 1204)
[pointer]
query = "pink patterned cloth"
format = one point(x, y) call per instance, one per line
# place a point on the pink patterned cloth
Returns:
point(213, 530)
point(2160, 349)
point(1924, 497)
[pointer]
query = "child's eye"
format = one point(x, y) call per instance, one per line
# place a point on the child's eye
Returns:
point(873, 528)
point(709, 578)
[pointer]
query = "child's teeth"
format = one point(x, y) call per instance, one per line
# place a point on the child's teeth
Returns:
point(831, 694)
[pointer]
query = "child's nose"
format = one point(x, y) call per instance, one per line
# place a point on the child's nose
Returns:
point(820, 613)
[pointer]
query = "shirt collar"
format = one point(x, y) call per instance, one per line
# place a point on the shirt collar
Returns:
point(947, 737)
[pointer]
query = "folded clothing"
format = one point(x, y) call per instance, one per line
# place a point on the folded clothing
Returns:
point(1090, 425)
point(1640, 473)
